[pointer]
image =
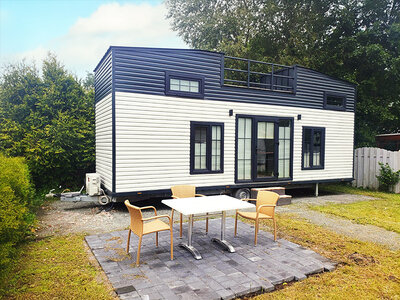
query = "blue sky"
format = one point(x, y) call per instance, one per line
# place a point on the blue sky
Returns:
point(80, 31)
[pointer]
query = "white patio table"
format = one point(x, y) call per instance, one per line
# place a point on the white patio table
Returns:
point(200, 206)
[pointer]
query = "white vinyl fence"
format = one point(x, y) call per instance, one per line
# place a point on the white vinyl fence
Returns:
point(366, 166)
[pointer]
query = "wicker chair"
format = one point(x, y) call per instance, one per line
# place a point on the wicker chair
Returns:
point(185, 191)
point(140, 226)
point(265, 209)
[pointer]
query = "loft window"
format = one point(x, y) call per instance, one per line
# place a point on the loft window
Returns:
point(206, 147)
point(184, 85)
point(181, 85)
point(334, 101)
point(313, 151)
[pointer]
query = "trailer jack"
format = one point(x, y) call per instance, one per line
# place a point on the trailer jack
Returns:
point(94, 192)
point(78, 196)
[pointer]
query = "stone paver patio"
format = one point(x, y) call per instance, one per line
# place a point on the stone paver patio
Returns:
point(219, 275)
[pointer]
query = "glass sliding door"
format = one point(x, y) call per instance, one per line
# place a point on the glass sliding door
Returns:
point(284, 157)
point(265, 150)
point(244, 148)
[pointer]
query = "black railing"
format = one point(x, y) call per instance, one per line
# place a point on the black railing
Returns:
point(249, 73)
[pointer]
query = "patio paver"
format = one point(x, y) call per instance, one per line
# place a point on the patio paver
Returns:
point(219, 275)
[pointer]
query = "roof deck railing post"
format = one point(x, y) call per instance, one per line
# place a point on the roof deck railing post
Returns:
point(272, 78)
point(248, 73)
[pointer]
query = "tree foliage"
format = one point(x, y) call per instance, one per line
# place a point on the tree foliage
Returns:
point(356, 40)
point(16, 199)
point(48, 118)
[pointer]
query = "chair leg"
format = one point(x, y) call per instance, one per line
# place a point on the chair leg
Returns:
point(207, 224)
point(172, 215)
point(129, 239)
point(156, 239)
point(274, 229)
point(236, 223)
point(256, 232)
point(172, 245)
point(180, 227)
point(138, 251)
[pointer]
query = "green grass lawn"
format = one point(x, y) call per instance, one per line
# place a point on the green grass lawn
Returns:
point(365, 270)
point(55, 268)
point(383, 212)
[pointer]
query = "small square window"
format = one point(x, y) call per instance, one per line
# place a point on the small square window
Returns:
point(194, 86)
point(175, 81)
point(182, 84)
point(334, 101)
point(174, 87)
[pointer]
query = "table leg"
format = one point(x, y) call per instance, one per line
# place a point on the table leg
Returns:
point(188, 246)
point(222, 242)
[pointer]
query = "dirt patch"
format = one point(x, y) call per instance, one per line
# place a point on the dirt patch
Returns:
point(59, 218)
point(361, 259)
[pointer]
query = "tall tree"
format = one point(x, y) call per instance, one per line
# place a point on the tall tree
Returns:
point(356, 40)
point(48, 119)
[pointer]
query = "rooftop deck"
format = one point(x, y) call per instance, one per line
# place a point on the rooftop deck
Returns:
point(255, 74)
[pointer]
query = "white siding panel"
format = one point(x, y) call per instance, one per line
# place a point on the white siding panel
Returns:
point(104, 140)
point(153, 140)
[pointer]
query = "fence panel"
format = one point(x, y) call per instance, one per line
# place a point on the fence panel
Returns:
point(366, 166)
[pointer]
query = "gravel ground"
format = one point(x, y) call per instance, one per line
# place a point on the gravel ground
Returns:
point(368, 233)
point(87, 217)
point(65, 217)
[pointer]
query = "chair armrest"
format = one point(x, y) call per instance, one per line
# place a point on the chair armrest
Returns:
point(157, 217)
point(149, 207)
point(265, 205)
point(248, 199)
point(199, 195)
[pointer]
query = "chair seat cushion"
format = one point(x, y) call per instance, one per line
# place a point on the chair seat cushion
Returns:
point(252, 215)
point(153, 226)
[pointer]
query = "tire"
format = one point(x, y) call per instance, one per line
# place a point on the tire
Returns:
point(243, 193)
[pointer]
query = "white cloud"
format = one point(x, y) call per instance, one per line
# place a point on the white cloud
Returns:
point(137, 25)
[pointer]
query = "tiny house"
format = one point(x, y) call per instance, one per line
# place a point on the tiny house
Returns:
point(180, 116)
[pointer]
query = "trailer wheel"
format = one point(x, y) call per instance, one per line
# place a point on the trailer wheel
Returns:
point(242, 193)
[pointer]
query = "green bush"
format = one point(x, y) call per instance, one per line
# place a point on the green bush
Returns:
point(387, 177)
point(17, 196)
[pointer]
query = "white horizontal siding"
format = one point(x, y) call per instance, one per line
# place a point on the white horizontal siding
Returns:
point(153, 140)
point(104, 140)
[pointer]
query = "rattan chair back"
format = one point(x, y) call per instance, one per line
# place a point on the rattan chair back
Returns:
point(136, 218)
point(183, 191)
point(267, 198)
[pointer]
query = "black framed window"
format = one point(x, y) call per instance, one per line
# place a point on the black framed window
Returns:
point(334, 101)
point(206, 147)
point(313, 150)
point(184, 84)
